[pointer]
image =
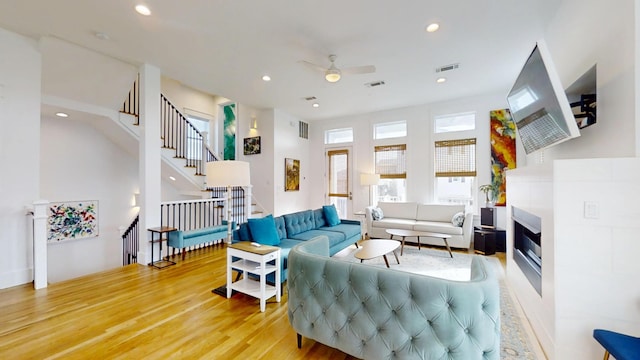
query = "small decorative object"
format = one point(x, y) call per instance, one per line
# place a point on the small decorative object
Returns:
point(252, 145)
point(72, 220)
point(489, 191)
point(291, 174)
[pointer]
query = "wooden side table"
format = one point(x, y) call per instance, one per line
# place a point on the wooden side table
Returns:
point(251, 259)
point(161, 263)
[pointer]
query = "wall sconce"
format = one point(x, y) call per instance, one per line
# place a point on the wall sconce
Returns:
point(254, 122)
point(136, 200)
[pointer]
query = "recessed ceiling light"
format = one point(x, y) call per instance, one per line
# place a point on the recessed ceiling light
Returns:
point(172, 178)
point(266, 78)
point(315, 105)
point(440, 80)
point(143, 10)
point(61, 114)
point(433, 27)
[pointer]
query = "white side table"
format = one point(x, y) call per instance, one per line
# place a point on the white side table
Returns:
point(253, 260)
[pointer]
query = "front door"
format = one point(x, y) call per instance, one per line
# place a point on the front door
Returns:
point(339, 180)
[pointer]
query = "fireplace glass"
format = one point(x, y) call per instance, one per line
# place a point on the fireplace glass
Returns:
point(527, 245)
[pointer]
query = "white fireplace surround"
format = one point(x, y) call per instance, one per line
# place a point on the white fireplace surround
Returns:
point(590, 258)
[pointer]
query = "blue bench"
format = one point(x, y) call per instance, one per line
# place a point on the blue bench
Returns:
point(182, 239)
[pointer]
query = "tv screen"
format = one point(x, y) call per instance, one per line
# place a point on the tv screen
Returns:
point(539, 105)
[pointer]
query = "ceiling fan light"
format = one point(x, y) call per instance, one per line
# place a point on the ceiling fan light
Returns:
point(332, 75)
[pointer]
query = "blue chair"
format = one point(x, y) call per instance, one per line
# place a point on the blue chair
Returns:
point(622, 347)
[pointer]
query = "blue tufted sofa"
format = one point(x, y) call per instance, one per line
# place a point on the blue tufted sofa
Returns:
point(377, 313)
point(298, 227)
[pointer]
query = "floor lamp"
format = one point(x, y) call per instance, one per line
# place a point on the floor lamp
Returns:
point(228, 173)
point(369, 180)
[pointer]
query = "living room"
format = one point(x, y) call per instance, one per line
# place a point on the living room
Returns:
point(579, 35)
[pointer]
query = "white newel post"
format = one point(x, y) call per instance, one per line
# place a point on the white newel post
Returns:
point(40, 244)
point(247, 200)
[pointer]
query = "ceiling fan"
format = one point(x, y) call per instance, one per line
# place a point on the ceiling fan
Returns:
point(333, 74)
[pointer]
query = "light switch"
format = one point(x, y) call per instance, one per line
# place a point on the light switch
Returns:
point(591, 210)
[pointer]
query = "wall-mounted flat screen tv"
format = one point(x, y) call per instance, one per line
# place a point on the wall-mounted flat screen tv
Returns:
point(539, 105)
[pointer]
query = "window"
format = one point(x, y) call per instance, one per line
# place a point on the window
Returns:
point(390, 130)
point(194, 138)
point(336, 136)
point(390, 163)
point(454, 122)
point(455, 170)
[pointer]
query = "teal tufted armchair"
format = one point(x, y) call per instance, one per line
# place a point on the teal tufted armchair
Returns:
point(376, 313)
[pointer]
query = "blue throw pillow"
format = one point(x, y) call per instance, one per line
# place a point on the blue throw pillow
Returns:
point(263, 230)
point(331, 215)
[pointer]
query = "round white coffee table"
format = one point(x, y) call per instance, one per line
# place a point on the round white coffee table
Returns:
point(378, 247)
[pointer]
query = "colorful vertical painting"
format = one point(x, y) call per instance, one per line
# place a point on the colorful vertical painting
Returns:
point(291, 175)
point(72, 220)
point(229, 122)
point(503, 151)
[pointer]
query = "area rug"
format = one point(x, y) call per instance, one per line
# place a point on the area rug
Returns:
point(515, 343)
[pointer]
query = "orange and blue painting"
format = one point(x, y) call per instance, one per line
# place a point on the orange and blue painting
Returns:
point(503, 152)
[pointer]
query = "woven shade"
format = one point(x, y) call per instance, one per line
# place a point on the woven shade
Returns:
point(391, 161)
point(455, 158)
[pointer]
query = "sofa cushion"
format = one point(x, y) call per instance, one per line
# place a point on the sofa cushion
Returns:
point(393, 223)
point(243, 233)
point(438, 227)
point(318, 217)
point(436, 212)
point(280, 227)
point(299, 222)
point(334, 236)
point(331, 215)
point(402, 210)
point(348, 230)
point(263, 230)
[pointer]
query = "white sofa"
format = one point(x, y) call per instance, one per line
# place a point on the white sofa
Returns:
point(422, 217)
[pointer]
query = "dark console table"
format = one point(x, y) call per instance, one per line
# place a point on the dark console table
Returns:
point(488, 240)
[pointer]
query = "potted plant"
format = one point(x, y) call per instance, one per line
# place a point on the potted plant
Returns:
point(486, 189)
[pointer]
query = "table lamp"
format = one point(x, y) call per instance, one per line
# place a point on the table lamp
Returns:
point(369, 180)
point(228, 173)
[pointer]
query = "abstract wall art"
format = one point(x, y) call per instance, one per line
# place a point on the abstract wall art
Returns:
point(291, 175)
point(72, 220)
point(503, 151)
point(229, 123)
point(252, 145)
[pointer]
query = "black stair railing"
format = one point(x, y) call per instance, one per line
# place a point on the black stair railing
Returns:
point(131, 104)
point(130, 243)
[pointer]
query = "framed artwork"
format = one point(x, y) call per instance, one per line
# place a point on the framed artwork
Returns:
point(72, 220)
point(291, 174)
point(229, 123)
point(503, 151)
point(252, 145)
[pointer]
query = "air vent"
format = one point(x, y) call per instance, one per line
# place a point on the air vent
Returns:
point(447, 68)
point(303, 129)
point(310, 98)
point(374, 84)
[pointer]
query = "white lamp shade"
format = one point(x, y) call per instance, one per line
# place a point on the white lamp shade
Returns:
point(369, 179)
point(228, 173)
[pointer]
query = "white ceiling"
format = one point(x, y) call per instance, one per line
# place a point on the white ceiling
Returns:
point(224, 47)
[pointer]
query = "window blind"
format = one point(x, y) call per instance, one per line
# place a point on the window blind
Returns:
point(391, 161)
point(455, 158)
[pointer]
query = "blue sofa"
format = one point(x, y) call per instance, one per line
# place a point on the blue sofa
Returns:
point(298, 227)
point(377, 313)
point(182, 239)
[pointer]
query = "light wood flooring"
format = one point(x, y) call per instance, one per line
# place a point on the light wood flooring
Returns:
point(147, 313)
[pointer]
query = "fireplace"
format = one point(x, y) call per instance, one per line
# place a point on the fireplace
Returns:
point(527, 246)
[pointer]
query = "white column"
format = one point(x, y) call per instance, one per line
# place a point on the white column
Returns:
point(40, 244)
point(150, 159)
point(205, 142)
point(247, 200)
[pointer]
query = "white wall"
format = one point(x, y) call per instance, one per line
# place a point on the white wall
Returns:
point(588, 32)
point(20, 66)
point(79, 163)
point(420, 186)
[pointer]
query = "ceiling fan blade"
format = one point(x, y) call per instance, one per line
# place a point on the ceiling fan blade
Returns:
point(313, 66)
point(366, 69)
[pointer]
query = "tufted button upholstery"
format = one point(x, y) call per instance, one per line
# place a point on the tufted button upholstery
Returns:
point(374, 313)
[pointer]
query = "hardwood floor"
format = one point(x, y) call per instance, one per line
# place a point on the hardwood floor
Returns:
point(147, 313)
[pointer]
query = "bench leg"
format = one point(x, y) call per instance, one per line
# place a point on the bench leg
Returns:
point(184, 250)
